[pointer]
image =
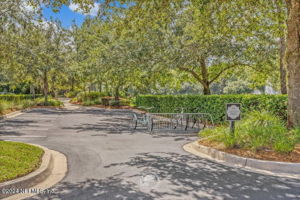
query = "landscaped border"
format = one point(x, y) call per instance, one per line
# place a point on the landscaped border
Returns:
point(274, 167)
point(30, 179)
point(52, 170)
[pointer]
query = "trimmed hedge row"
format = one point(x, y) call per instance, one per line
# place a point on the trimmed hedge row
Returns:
point(18, 97)
point(89, 96)
point(215, 104)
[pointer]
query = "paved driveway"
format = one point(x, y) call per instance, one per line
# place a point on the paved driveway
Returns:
point(108, 161)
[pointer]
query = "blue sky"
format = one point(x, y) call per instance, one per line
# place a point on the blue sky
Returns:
point(65, 15)
point(68, 14)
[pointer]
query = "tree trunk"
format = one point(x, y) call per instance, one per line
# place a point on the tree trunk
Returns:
point(117, 93)
point(46, 87)
point(293, 62)
point(283, 86)
point(32, 90)
point(72, 84)
point(100, 86)
point(204, 73)
point(206, 89)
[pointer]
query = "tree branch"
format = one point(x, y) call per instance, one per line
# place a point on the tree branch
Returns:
point(195, 75)
point(221, 72)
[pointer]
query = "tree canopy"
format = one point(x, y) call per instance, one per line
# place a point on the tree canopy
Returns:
point(135, 47)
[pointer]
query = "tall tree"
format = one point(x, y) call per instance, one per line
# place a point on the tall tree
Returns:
point(293, 62)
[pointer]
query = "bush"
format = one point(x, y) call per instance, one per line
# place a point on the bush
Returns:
point(89, 96)
point(71, 94)
point(26, 103)
point(215, 104)
point(259, 130)
point(120, 102)
point(51, 102)
point(17, 97)
point(3, 106)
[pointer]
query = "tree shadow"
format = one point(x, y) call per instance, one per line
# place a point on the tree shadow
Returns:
point(110, 122)
point(8, 126)
point(92, 189)
point(180, 177)
point(192, 175)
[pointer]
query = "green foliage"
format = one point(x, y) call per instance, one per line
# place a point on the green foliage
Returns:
point(259, 130)
point(215, 104)
point(17, 97)
point(18, 159)
point(50, 102)
point(120, 102)
point(71, 94)
point(3, 106)
point(88, 103)
point(89, 96)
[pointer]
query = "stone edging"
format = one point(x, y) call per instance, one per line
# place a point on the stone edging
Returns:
point(283, 168)
point(30, 179)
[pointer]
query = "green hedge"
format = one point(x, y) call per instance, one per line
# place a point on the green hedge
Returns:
point(215, 104)
point(89, 96)
point(17, 97)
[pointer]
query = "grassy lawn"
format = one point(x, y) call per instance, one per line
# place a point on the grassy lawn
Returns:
point(18, 159)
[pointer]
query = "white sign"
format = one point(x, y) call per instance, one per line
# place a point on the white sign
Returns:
point(233, 111)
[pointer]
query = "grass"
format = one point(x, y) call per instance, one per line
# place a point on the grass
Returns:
point(258, 131)
point(18, 159)
point(6, 106)
point(51, 102)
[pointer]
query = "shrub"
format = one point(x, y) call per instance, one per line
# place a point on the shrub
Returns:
point(3, 106)
point(257, 131)
point(120, 102)
point(71, 94)
point(17, 97)
point(51, 102)
point(89, 96)
point(27, 104)
point(215, 104)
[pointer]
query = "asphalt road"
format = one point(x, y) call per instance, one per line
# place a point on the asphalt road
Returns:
point(107, 160)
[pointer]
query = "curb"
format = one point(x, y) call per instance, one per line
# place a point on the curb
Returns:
point(12, 114)
point(20, 112)
point(21, 187)
point(285, 169)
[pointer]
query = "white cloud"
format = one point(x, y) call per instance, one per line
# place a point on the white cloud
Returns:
point(93, 9)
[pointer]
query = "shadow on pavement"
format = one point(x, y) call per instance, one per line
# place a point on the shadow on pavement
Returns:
point(106, 189)
point(189, 176)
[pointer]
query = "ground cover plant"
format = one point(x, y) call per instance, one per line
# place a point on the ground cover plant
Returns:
point(10, 103)
point(18, 159)
point(259, 130)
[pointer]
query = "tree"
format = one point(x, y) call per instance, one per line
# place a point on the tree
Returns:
point(293, 62)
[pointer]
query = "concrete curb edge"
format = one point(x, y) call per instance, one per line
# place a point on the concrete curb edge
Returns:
point(30, 179)
point(283, 169)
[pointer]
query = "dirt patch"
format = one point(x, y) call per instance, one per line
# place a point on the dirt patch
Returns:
point(266, 154)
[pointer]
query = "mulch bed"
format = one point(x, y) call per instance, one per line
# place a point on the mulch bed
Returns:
point(265, 154)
